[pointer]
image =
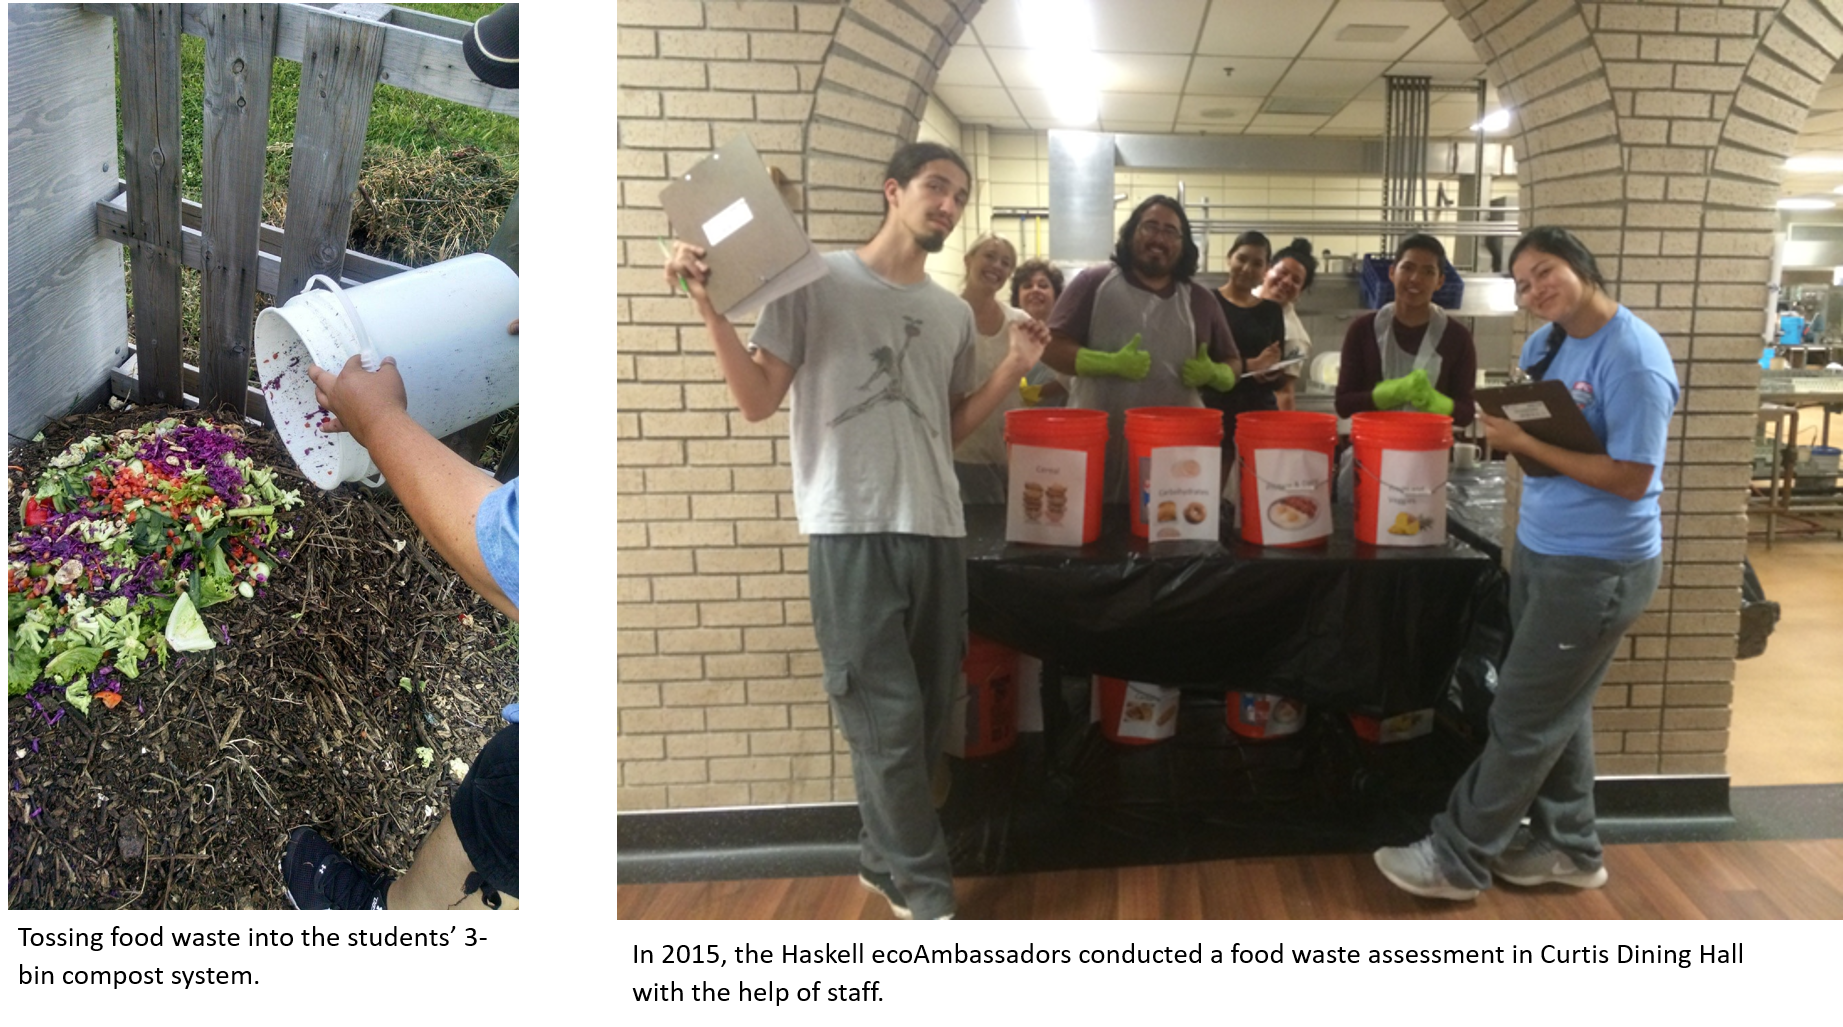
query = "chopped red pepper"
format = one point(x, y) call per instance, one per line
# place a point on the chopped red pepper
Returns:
point(38, 512)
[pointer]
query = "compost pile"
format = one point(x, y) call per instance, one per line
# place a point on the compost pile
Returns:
point(206, 651)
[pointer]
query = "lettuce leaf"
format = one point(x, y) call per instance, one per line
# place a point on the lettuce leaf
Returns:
point(185, 629)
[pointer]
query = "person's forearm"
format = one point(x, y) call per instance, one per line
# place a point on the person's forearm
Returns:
point(442, 492)
point(972, 410)
point(748, 381)
point(1060, 353)
point(1596, 470)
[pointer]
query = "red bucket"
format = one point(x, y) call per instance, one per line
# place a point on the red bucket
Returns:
point(1401, 469)
point(985, 715)
point(1286, 470)
point(1083, 431)
point(1149, 428)
point(1257, 715)
point(1133, 712)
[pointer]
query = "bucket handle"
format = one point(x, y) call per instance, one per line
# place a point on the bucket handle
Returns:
point(1405, 490)
point(368, 356)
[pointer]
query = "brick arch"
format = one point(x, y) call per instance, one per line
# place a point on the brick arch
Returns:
point(872, 89)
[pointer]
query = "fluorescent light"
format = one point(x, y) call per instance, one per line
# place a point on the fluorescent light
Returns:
point(1805, 203)
point(1062, 33)
point(1814, 163)
point(1496, 121)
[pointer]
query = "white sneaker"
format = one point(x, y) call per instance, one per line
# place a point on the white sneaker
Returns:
point(1541, 863)
point(1415, 870)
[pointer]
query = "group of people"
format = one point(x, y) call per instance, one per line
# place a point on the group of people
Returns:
point(1138, 331)
point(877, 492)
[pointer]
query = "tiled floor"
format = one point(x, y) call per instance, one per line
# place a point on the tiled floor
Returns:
point(1788, 702)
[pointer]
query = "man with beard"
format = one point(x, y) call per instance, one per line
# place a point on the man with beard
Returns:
point(1138, 332)
point(879, 359)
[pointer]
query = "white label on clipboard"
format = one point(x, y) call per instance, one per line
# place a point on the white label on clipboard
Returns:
point(1532, 411)
point(727, 221)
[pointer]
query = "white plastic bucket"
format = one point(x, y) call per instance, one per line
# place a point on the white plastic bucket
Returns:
point(446, 326)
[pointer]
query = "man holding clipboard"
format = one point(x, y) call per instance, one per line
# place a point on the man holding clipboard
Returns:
point(1587, 560)
point(879, 360)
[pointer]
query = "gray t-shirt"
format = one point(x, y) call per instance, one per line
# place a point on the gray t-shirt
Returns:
point(877, 366)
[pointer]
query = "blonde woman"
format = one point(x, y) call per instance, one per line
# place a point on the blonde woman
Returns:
point(980, 458)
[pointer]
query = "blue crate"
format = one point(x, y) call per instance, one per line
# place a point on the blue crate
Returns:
point(1375, 289)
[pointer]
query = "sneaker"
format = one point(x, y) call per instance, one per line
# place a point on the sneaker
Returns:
point(1415, 870)
point(316, 876)
point(885, 885)
point(1542, 863)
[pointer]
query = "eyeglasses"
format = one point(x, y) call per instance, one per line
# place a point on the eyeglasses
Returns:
point(1155, 228)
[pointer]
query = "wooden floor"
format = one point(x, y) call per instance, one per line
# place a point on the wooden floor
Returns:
point(1763, 880)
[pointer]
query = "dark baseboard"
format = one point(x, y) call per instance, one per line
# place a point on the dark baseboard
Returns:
point(810, 841)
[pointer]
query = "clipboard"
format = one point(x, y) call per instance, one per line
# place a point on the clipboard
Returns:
point(756, 250)
point(1547, 412)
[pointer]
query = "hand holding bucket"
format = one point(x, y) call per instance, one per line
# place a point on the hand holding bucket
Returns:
point(358, 395)
point(446, 326)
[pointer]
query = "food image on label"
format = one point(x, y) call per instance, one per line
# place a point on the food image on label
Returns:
point(1195, 513)
point(1033, 500)
point(1292, 512)
point(1167, 511)
point(1186, 469)
point(1056, 502)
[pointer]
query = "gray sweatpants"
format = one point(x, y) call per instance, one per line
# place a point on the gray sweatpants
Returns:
point(890, 614)
point(1568, 614)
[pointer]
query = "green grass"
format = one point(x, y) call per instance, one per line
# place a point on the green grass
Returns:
point(402, 123)
point(406, 121)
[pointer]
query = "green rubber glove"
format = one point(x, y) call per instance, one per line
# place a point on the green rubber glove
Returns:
point(1200, 371)
point(1393, 393)
point(1132, 363)
point(1429, 400)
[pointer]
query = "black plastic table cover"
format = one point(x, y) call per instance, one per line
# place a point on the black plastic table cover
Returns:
point(1364, 629)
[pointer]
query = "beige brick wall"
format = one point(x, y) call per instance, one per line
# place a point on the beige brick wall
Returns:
point(1654, 130)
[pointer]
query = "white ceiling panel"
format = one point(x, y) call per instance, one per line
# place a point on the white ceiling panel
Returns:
point(1159, 68)
point(1259, 29)
point(1253, 76)
point(1341, 79)
point(1417, 20)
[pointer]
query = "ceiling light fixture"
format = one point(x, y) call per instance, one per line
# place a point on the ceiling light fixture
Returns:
point(1370, 33)
point(1067, 68)
point(1814, 163)
point(1496, 121)
point(1805, 203)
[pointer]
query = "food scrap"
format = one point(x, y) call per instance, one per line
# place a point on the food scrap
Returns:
point(126, 537)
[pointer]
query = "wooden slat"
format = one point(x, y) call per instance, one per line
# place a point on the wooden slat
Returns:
point(1676, 881)
point(112, 223)
point(339, 70)
point(122, 384)
point(422, 52)
point(239, 60)
point(67, 312)
point(149, 57)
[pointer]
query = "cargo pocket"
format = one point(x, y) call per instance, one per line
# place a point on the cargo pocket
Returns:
point(851, 711)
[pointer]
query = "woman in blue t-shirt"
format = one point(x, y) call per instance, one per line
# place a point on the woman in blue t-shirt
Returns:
point(1589, 551)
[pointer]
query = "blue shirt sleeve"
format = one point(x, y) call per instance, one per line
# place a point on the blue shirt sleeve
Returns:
point(496, 530)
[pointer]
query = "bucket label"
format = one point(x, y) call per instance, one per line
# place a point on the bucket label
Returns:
point(1270, 716)
point(1181, 488)
point(1047, 502)
point(1411, 498)
point(1148, 711)
point(1293, 495)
